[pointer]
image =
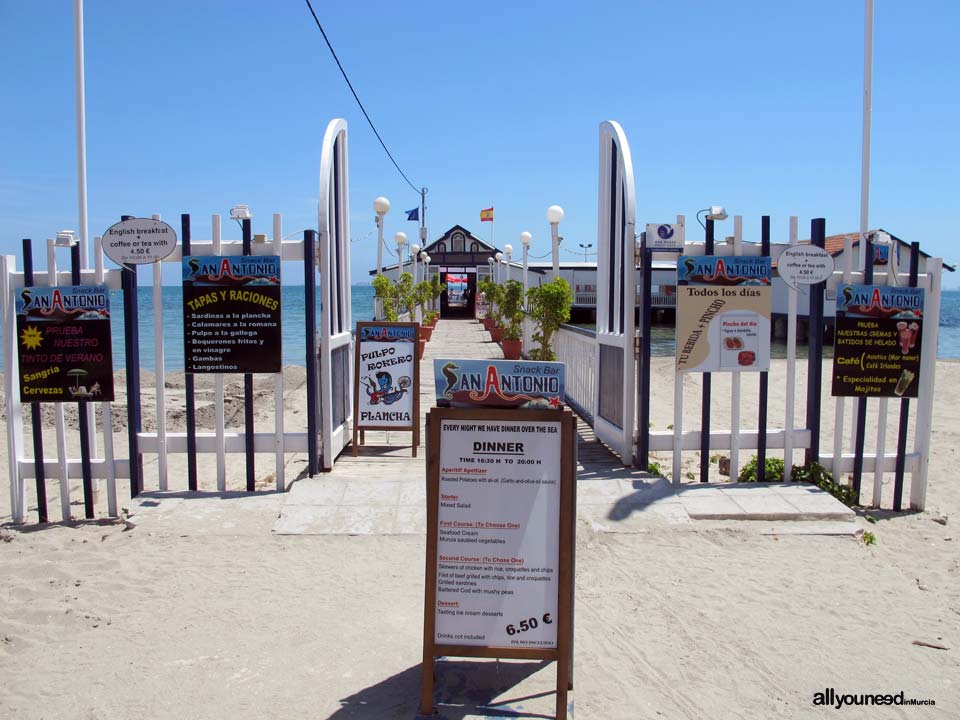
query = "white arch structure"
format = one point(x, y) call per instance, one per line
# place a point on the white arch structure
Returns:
point(616, 294)
point(333, 263)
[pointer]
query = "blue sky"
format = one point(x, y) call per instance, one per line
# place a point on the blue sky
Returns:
point(197, 106)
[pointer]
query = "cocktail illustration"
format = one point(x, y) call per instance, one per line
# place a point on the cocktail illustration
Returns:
point(904, 336)
point(906, 377)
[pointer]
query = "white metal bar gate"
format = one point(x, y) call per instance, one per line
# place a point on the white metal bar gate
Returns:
point(616, 292)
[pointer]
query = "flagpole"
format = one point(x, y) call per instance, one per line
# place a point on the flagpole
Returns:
point(81, 129)
point(423, 216)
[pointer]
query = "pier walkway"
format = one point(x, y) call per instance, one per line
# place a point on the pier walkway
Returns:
point(382, 490)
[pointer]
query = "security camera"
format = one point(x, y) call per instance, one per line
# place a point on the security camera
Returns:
point(717, 212)
point(64, 238)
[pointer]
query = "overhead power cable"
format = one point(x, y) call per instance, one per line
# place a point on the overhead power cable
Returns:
point(355, 97)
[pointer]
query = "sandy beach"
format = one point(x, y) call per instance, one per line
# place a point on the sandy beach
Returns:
point(688, 620)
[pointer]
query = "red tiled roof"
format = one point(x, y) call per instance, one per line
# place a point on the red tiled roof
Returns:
point(835, 243)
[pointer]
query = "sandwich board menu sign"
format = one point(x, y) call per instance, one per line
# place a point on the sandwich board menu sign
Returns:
point(231, 314)
point(64, 343)
point(879, 333)
point(386, 392)
point(499, 538)
point(723, 314)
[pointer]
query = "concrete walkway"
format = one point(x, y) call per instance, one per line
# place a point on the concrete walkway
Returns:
point(382, 491)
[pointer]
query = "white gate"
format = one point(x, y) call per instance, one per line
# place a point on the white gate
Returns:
point(336, 338)
point(616, 293)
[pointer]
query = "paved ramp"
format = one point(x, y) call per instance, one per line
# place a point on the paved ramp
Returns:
point(382, 490)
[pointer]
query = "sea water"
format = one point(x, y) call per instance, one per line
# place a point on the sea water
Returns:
point(294, 322)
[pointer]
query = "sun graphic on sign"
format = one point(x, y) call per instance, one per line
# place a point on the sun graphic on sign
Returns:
point(31, 338)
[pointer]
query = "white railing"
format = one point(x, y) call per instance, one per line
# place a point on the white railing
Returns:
point(657, 300)
point(577, 348)
point(104, 465)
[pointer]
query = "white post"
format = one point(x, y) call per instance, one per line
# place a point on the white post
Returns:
point(400, 238)
point(218, 386)
point(925, 398)
point(882, 412)
point(58, 407)
point(678, 378)
point(81, 127)
point(864, 167)
point(106, 408)
point(160, 380)
point(555, 243)
point(791, 366)
point(82, 181)
point(381, 206)
point(735, 379)
point(278, 442)
point(554, 216)
point(18, 487)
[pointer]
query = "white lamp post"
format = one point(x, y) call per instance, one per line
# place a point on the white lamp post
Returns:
point(499, 259)
point(414, 251)
point(525, 239)
point(381, 206)
point(401, 239)
point(509, 250)
point(554, 216)
point(425, 259)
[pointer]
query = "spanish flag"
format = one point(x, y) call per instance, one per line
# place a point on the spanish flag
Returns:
point(486, 215)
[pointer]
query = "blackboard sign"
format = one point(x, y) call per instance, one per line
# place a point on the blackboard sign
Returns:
point(499, 539)
point(63, 343)
point(879, 333)
point(231, 314)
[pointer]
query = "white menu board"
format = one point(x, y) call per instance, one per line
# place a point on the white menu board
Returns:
point(498, 533)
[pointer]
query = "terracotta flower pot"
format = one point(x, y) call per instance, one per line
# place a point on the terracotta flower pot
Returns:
point(511, 349)
point(487, 323)
point(426, 331)
point(496, 334)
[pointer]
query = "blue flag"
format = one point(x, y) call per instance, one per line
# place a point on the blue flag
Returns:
point(413, 214)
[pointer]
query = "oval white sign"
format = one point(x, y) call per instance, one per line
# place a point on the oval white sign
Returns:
point(804, 265)
point(139, 241)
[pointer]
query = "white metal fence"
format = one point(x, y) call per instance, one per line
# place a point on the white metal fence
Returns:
point(782, 435)
point(105, 463)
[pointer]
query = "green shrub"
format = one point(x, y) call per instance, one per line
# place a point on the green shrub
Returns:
point(512, 308)
point(386, 292)
point(550, 305)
